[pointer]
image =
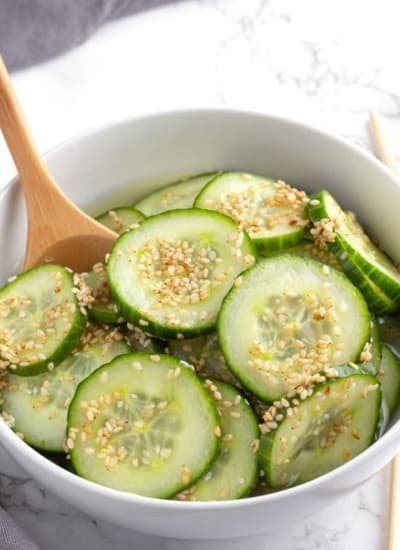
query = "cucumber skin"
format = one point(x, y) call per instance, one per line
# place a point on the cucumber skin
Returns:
point(278, 242)
point(103, 315)
point(350, 261)
point(378, 302)
point(270, 398)
point(136, 357)
point(267, 440)
point(134, 316)
point(69, 342)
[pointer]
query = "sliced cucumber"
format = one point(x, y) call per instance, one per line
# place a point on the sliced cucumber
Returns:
point(272, 212)
point(149, 426)
point(170, 275)
point(359, 257)
point(338, 421)
point(40, 321)
point(375, 297)
point(139, 340)
point(180, 194)
point(206, 357)
point(234, 473)
point(39, 404)
point(103, 309)
point(307, 249)
point(389, 330)
point(389, 377)
point(121, 219)
point(289, 319)
point(371, 355)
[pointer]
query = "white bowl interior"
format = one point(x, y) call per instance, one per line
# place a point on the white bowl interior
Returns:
point(122, 163)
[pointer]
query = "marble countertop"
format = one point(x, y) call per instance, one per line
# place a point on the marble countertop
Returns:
point(324, 63)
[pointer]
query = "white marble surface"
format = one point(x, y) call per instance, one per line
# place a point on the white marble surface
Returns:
point(325, 63)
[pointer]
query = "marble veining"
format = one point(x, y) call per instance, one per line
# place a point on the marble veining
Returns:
point(324, 63)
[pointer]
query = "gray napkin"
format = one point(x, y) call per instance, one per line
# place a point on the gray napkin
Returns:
point(32, 31)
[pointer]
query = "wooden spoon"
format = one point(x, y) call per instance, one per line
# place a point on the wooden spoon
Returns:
point(58, 231)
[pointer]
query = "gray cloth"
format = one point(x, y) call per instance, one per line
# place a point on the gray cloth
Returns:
point(32, 31)
point(11, 536)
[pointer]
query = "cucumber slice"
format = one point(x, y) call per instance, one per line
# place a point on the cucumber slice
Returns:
point(206, 357)
point(121, 219)
point(371, 355)
point(359, 257)
point(338, 421)
point(375, 297)
point(272, 212)
point(39, 404)
point(102, 309)
point(389, 377)
point(149, 426)
point(40, 321)
point(289, 319)
point(169, 275)
point(234, 473)
point(141, 341)
point(180, 194)
point(389, 331)
point(307, 249)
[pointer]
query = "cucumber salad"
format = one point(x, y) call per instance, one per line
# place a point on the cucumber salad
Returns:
point(240, 337)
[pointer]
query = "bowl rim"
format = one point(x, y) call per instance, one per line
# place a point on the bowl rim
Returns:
point(32, 455)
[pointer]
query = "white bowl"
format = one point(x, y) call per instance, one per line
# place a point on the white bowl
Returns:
point(123, 162)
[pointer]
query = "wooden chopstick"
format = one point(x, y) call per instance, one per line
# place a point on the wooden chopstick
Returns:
point(381, 144)
point(384, 152)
